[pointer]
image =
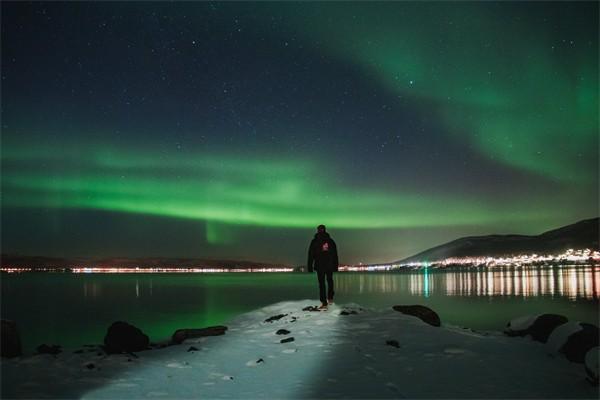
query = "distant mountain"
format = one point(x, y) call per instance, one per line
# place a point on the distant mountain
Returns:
point(49, 262)
point(581, 235)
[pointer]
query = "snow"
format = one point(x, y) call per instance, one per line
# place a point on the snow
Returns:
point(561, 333)
point(332, 356)
point(522, 323)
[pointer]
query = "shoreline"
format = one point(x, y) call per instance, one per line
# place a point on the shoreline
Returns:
point(333, 355)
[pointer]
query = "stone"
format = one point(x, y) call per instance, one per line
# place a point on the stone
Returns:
point(538, 326)
point(574, 340)
point(393, 343)
point(275, 317)
point(46, 349)
point(10, 341)
point(311, 308)
point(287, 340)
point(579, 343)
point(426, 314)
point(282, 332)
point(192, 348)
point(122, 337)
point(191, 333)
point(591, 365)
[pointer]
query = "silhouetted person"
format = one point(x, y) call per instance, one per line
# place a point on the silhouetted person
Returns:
point(323, 258)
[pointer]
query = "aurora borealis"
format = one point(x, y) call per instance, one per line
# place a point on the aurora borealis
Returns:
point(230, 130)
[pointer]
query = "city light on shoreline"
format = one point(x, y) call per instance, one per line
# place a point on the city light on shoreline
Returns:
point(569, 257)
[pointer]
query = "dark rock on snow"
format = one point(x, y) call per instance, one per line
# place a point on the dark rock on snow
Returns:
point(539, 328)
point(579, 343)
point(426, 314)
point(591, 365)
point(90, 366)
point(182, 334)
point(344, 312)
point(287, 340)
point(282, 332)
point(10, 341)
point(192, 348)
point(123, 337)
point(275, 317)
point(45, 349)
point(311, 308)
point(260, 360)
point(393, 343)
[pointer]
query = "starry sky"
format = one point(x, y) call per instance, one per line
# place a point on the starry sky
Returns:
point(231, 130)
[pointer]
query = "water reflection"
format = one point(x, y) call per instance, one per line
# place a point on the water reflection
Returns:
point(570, 282)
point(91, 289)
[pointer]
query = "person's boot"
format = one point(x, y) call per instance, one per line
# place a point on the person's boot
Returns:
point(323, 306)
point(330, 301)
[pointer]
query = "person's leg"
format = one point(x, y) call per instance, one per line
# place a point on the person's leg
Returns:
point(321, 277)
point(330, 291)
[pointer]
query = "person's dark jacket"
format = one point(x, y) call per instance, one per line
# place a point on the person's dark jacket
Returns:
point(322, 253)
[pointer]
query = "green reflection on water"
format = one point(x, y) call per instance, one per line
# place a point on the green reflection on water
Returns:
point(73, 309)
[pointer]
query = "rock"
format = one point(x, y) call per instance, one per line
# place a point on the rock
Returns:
point(45, 349)
point(192, 348)
point(344, 312)
point(311, 308)
point(287, 340)
point(574, 340)
point(282, 332)
point(393, 343)
point(182, 334)
point(580, 343)
point(10, 341)
point(591, 365)
point(260, 360)
point(538, 326)
point(192, 333)
point(426, 314)
point(123, 337)
point(90, 366)
point(275, 317)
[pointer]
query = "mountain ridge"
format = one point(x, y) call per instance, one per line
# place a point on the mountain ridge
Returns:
point(580, 235)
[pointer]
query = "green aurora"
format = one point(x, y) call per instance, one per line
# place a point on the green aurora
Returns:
point(503, 81)
point(399, 125)
point(227, 189)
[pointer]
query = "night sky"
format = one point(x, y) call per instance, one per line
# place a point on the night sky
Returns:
point(231, 130)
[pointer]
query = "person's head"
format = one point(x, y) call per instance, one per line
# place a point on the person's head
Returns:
point(321, 229)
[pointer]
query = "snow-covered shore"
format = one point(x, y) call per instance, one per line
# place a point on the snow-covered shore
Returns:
point(367, 354)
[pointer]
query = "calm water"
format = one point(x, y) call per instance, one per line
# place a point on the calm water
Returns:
point(75, 309)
